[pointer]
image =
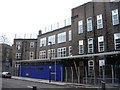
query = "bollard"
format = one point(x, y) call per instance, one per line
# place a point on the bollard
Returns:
point(34, 88)
point(103, 85)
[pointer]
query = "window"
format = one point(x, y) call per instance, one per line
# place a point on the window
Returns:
point(18, 55)
point(101, 43)
point(99, 21)
point(91, 67)
point(51, 39)
point(101, 67)
point(31, 44)
point(117, 41)
point(89, 24)
point(70, 35)
point(31, 55)
point(52, 53)
point(90, 45)
point(61, 52)
point(80, 26)
point(18, 45)
point(115, 17)
point(43, 42)
point(81, 49)
point(42, 54)
point(70, 50)
point(62, 37)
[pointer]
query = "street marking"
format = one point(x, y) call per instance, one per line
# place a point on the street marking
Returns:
point(29, 86)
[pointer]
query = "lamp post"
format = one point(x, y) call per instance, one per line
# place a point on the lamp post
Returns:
point(50, 66)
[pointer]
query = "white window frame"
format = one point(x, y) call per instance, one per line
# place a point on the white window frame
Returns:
point(70, 50)
point(99, 21)
point(115, 17)
point(52, 53)
point(42, 54)
point(117, 44)
point(43, 42)
point(101, 67)
point(32, 44)
point(89, 24)
point(80, 26)
point(70, 35)
point(81, 47)
point(61, 37)
point(18, 56)
point(31, 55)
point(100, 40)
point(18, 45)
point(90, 45)
point(51, 39)
point(91, 67)
point(61, 52)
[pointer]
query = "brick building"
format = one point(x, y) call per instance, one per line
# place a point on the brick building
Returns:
point(24, 49)
point(96, 37)
point(5, 57)
point(60, 42)
point(85, 50)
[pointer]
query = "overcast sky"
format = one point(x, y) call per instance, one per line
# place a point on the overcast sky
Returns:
point(29, 16)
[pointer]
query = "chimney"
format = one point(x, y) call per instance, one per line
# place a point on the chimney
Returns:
point(40, 32)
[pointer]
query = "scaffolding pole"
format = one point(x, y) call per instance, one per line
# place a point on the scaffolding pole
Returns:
point(72, 74)
point(66, 74)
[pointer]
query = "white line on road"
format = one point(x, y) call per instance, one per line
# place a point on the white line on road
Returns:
point(29, 86)
point(32, 87)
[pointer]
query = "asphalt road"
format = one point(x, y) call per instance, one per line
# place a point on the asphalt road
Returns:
point(14, 83)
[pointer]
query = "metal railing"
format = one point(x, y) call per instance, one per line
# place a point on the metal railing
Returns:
point(99, 82)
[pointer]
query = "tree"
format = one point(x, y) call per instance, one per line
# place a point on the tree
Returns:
point(4, 39)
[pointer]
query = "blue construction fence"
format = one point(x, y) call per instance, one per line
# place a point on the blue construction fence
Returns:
point(41, 71)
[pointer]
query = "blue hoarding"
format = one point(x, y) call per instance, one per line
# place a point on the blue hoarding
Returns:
point(41, 71)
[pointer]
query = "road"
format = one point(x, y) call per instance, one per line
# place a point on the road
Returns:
point(14, 83)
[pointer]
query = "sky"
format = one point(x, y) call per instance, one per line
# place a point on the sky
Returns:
point(24, 18)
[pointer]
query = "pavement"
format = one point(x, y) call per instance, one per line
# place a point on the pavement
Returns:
point(74, 85)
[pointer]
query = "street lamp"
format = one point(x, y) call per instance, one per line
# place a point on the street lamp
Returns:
point(50, 66)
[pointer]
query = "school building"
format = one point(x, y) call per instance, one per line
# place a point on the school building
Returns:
point(83, 49)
